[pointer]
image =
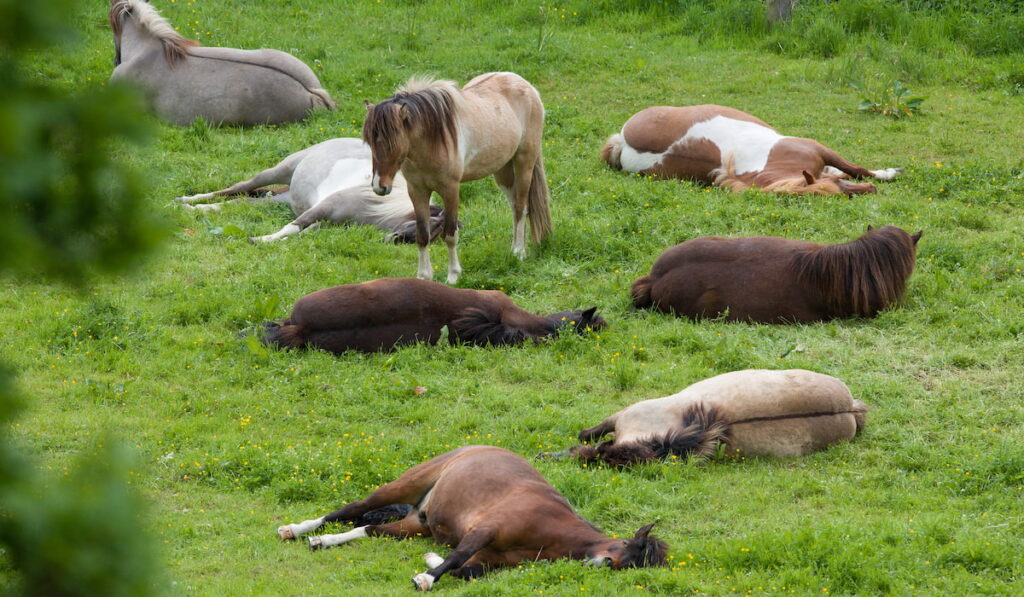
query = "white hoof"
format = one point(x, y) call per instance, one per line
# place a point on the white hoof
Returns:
point(423, 581)
point(315, 543)
point(432, 559)
point(887, 174)
point(286, 533)
point(453, 277)
point(519, 252)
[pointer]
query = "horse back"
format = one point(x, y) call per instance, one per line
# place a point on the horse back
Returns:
point(750, 279)
point(655, 129)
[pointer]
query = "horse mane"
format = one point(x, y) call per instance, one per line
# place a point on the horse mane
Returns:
point(699, 433)
point(430, 103)
point(478, 326)
point(175, 45)
point(726, 177)
point(860, 277)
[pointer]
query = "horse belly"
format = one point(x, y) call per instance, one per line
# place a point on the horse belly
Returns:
point(791, 437)
point(694, 160)
point(376, 338)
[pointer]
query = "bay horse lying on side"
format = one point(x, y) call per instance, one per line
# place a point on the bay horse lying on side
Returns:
point(184, 81)
point(726, 147)
point(390, 312)
point(494, 509)
point(776, 280)
point(755, 412)
point(328, 182)
point(439, 136)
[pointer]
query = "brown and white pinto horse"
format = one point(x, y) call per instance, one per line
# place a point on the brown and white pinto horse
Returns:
point(440, 136)
point(494, 509)
point(777, 280)
point(755, 412)
point(726, 147)
point(390, 312)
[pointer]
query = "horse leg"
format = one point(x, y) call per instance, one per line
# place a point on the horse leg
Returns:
point(410, 488)
point(598, 431)
point(836, 161)
point(410, 526)
point(253, 197)
point(278, 174)
point(421, 209)
point(473, 542)
point(506, 179)
point(450, 229)
point(524, 164)
point(329, 209)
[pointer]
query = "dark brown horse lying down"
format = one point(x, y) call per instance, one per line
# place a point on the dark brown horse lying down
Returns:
point(732, 149)
point(494, 509)
point(755, 412)
point(777, 280)
point(391, 312)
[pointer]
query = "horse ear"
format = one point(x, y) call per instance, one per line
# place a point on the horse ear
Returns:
point(870, 227)
point(808, 177)
point(588, 315)
point(641, 535)
point(403, 112)
point(368, 105)
point(916, 237)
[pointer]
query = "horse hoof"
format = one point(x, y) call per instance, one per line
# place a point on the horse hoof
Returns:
point(423, 581)
point(432, 559)
point(315, 543)
point(286, 533)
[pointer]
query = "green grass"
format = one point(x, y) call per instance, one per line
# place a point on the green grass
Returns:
point(234, 441)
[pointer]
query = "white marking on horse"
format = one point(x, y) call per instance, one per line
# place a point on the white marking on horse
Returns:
point(749, 143)
point(291, 531)
point(340, 538)
point(886, 174)
point(423, 581)
point(433, 560)
point(345, 173)
point(375, 183)
point(637, 161)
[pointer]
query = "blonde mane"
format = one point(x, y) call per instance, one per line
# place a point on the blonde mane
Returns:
point(727, 178)
point(175, 45)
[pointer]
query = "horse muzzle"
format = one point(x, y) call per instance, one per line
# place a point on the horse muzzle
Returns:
point(382, 190)
point(599, 562)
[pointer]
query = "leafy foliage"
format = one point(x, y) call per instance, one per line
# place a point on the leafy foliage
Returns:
point(892, 101)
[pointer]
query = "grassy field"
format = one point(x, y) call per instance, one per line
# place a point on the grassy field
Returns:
point(233, 441)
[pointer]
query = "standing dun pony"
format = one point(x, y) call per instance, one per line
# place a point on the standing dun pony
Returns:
point(726, 147)
point(183, 81)
point(328, 182)
point(769, 279)
point(439, 136)
point(494, 509)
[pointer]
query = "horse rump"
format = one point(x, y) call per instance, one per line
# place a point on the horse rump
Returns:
point(641, 292)
point(611, 153)
point(283, 334)
point(479, 326)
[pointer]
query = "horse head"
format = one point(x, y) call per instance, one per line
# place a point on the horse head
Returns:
point(386, 131)
point(830, 184)
point(581, 321)
point(641, 551)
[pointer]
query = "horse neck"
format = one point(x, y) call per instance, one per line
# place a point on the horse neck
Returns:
point(136, 40)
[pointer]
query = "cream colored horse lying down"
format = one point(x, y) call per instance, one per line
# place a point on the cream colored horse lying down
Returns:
point(755, 412)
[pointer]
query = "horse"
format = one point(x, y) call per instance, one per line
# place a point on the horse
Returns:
point(777, 280)
point(387, 313)
point(755, 412)
point(439, 136)
point(722, 146)
point(184, 81)
point(494, 509)
point(328, 182)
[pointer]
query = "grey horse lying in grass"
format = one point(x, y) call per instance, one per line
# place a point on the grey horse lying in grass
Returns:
point(183, 81)
point(329, 181)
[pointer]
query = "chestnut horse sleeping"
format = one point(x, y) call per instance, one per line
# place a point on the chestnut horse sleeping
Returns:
point(390, 312)
point(494, 509)
point(777, 280)
point(726, 147)
point(755, 412)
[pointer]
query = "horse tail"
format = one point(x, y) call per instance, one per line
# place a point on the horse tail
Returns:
point(479, 326)
point(321, 99)
point(283, 335)
point(540, 216)
point(860, 415)
point(611, 153)
point(641, 292)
